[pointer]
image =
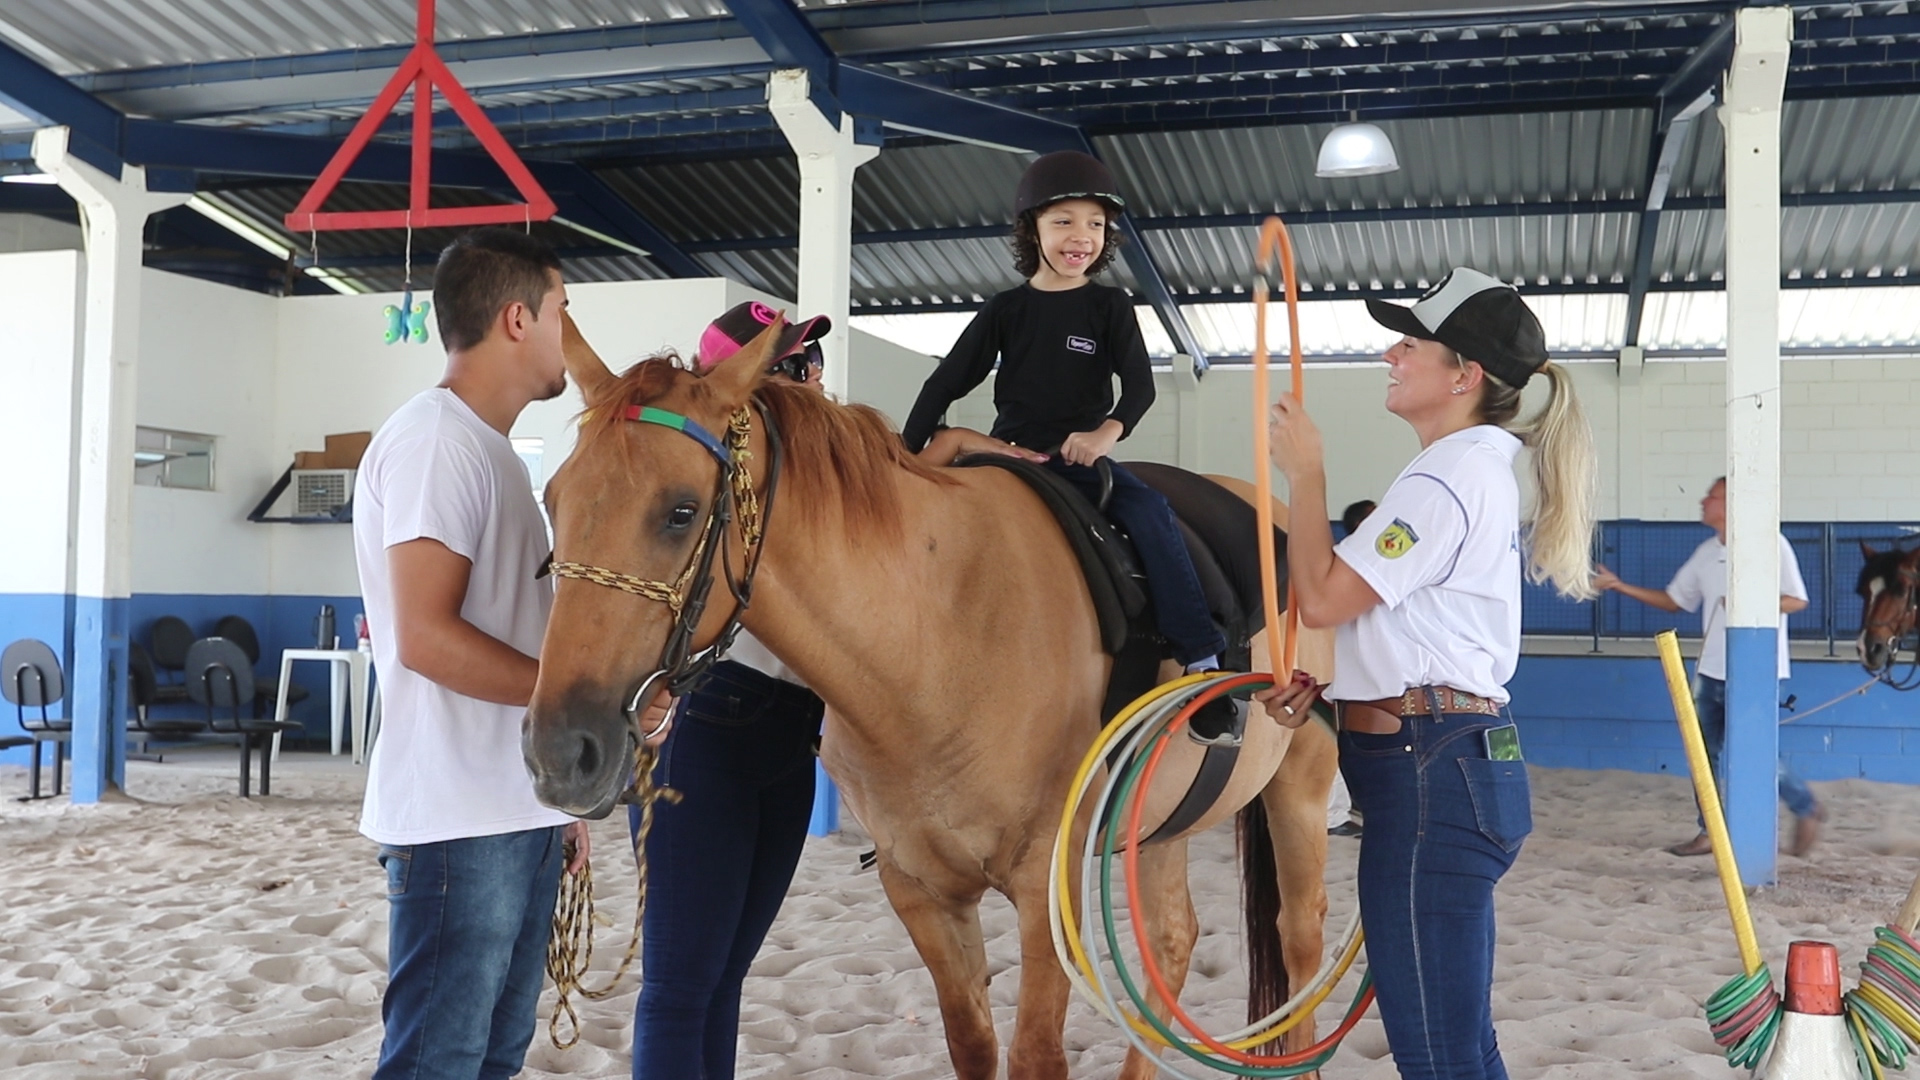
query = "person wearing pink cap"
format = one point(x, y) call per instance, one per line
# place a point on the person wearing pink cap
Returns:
point(740, 753)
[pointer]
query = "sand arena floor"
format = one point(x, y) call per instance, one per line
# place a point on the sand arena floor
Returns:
point(181, 932)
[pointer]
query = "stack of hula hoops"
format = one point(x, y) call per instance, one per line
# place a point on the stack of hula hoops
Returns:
point(1137, 738)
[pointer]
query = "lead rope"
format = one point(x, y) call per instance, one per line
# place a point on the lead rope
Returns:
point(570, 948)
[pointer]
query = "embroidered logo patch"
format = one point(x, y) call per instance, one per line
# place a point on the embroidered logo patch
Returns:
point(1081, 345)
point(1395, 540)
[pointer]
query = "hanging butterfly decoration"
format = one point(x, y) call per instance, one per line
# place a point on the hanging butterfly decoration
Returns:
point(408, 321)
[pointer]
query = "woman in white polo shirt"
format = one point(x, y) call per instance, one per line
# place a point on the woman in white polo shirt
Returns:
point(1426, 599)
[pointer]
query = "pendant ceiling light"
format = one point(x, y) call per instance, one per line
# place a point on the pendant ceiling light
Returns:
point(1356, 149)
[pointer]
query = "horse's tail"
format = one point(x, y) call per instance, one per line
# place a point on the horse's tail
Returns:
point(1267, 987)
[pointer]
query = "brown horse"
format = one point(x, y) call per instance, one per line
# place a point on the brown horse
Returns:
point(1888, 585)
point(942, 617)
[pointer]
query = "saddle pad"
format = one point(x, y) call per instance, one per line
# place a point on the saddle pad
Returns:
point(1105, 562)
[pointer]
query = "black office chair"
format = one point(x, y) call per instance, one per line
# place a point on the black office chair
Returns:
point(30, 678)
point(220, 677)
point(143, 690)
point(170, 637)
point(237, 629)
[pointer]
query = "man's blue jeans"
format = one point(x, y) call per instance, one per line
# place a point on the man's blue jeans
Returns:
point(1710, 704)
point(1443, 824)
point(468, 922)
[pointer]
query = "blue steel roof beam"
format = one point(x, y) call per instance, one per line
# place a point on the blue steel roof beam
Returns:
point(582, 195)
point(1687, 93)
point(1424, 104)
point(1602, 76)
point(827, 22)
point(783, 31)
point(482, 93)
point(1289, 61)
point(622, 107)
point(388, 57)
point(639, 129)
point(1164, 28)
point(95, 127)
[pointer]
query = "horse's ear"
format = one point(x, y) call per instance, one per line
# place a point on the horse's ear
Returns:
point(1866, 552)
point(736, 377)
point(588, 371)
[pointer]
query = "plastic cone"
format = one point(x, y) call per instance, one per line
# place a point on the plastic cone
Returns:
point(1812, 1043)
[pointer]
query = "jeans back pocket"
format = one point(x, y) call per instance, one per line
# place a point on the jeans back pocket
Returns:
point(1502, 800)
point(396, 861)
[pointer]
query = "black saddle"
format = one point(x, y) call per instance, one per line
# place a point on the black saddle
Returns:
point(1221, 534)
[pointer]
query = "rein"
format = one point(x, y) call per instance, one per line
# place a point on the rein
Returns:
point(570, 949)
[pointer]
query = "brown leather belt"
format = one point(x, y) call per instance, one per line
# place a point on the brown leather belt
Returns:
point(1382, 717)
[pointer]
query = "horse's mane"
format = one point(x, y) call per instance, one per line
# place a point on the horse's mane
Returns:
point(837, 460)
point(1884, 565)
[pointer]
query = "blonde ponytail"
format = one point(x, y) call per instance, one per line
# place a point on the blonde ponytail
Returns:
point(1559, 527)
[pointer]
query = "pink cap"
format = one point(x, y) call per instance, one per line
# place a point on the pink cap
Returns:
point(729, 333)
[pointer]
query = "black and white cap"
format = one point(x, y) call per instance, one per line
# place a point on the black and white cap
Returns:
point(1480, 317)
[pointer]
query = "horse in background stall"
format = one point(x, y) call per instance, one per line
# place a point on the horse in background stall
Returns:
point(942, 616)
point(1890, 586)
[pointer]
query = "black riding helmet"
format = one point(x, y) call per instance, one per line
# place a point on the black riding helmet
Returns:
point(1066, 174)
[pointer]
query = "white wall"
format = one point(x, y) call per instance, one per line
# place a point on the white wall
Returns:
point(270, 377)
point(336, 375)
point(37, 367)
point(1849, 451)
point(207, 360)
point(32, 232)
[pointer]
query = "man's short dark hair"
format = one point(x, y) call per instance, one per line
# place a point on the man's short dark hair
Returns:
point(483, 271)
point(1354, 514)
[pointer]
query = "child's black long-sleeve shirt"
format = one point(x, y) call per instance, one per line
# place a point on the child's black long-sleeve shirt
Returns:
point(1059, 352)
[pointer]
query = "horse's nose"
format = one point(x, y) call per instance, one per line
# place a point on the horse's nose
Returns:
point(572, 767)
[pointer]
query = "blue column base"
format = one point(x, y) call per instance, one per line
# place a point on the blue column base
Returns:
point(97, 695)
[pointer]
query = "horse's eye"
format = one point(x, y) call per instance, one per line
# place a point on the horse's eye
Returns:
point(681, 516)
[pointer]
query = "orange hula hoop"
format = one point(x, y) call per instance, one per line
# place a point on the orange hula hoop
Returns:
point(1273, 240)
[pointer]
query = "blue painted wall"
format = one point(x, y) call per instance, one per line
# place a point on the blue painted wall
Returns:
point(281, 622)
point(1611, 712)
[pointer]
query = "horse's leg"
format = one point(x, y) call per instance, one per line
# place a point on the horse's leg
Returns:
point(946, 932)
point(1166, 906)
point(1038, 1052)
point(1296, 805)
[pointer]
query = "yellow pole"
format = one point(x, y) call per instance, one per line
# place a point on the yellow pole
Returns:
point(1709, 796)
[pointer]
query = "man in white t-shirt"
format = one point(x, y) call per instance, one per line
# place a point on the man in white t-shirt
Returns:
point(1700, 585)
point(449, 539)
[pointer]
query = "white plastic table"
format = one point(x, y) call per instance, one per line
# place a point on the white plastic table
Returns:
point(348, 671)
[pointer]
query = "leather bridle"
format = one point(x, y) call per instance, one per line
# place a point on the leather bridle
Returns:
point(679, 665)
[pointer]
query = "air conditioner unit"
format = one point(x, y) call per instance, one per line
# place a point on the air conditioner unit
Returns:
point(320, 492)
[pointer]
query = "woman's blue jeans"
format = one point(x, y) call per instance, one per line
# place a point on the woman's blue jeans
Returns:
point(468, 922)
point(1443, 824)
point(719, 862)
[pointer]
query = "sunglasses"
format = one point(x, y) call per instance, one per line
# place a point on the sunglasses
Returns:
point(802, 365)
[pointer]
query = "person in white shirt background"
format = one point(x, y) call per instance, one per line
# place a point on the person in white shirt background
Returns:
point(1425, 596)
point(1700, 586)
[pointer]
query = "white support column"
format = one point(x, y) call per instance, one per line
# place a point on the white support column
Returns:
point(1631, 452)
point(828, 158)
point(113, 214)
point(1751, 117)
point(1186, 388)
